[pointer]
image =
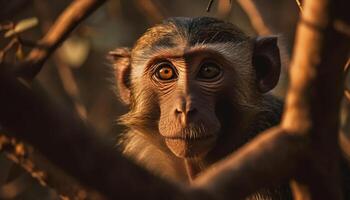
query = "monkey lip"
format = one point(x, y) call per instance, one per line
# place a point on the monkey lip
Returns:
point(204, 137)
point(190, 147)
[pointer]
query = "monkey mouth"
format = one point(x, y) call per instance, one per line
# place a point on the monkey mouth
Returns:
point(190, 147)
point(190, 138)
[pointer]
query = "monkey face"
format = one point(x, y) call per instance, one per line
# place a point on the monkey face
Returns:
point(178, 74)
point(188, 87)
point(187, 120)
point(176, 93)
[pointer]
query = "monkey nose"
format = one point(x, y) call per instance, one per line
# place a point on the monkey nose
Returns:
point(185, 114)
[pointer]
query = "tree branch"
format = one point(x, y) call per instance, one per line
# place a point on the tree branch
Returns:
point(317, 76)
point(64, 25)
point(255, 17)
point(65, 73)
point(270, 159)
point(210, 3)
point(346, 72)
point(40, 169)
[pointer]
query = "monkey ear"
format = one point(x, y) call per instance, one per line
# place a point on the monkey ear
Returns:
point(267, 62)
point(120, 58)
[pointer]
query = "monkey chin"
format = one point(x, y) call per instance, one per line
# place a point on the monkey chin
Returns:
point(190, 148)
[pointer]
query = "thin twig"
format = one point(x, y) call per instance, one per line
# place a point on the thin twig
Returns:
point(46, 174)
point(255, 17)
point(18, 153)
point(65, 73)
point(299, 5)
point(64, 25)
point(346, 88)
point(70, 86)
point(7, 48)
point(209, 5)
point(7, 26)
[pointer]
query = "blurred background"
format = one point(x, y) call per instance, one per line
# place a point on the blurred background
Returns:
point(79, 76)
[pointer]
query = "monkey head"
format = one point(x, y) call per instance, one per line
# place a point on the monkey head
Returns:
point(188, 80)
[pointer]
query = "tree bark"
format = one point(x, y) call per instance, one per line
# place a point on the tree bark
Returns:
point(313, 100)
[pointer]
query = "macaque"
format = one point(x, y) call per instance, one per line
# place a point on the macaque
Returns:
point(197, 89)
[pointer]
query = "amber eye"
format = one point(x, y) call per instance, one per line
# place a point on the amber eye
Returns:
point(165, 71)
point(209, 70)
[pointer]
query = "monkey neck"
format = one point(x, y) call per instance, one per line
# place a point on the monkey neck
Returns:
point(225, 145)
point(193, 167)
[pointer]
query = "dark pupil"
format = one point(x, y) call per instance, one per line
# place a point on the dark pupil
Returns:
point(209, 72)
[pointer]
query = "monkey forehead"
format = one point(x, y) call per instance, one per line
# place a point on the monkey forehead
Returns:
point(190, 30)
point(236, 54)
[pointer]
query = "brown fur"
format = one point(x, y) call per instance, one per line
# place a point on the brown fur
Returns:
point(240, 108)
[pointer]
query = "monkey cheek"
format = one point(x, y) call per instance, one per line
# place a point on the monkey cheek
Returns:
point(190, 148)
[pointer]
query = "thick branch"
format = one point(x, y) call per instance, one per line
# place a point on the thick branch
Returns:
point(268, 160)
point(313, 99)
point(64, 25)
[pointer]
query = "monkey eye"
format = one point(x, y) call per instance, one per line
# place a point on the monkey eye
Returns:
point(209, 70)
point(165, 71)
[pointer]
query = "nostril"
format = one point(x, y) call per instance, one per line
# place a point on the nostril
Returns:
point(192, 111)
point(177, 111)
